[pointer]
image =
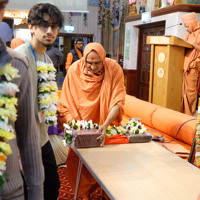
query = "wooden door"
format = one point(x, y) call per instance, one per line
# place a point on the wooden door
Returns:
point(144, 55)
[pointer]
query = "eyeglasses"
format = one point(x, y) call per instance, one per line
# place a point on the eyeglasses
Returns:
point(80, 44)
point(45, 26)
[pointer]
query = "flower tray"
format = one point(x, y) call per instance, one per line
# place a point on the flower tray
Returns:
point(139, 138)
point(86, 138)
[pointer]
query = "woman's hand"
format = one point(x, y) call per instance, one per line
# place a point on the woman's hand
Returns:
point(102, 129)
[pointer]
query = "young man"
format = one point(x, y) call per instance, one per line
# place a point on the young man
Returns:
point(43, 22)
point(75, 54)
point(191, 73)
point(27, 140)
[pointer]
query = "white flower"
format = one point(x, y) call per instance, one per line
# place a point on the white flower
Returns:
point(6, 127)
point(5, 119)
point(133, 130)
point(44, 84)
point(44, 96)
point(69, 132)
point(91, 124)
point(50, 118)
point(39, 63)
point(128, 127)
point(67, 127)
point(43, 76)
point(138, 124)
point(51, 108)
point(8, 88)
point(46, 105)
point(113, 131)
point(52, 76)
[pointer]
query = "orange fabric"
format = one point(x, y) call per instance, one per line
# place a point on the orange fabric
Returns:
point(191, 74)
point(189, 18)
point(117, 139)
point(16, 42)
point(192, 54)
point(70, 58)
point(86, 96)
point(169, 121)
point(136, 108)
point(59, 93)
point(86, 182)
point(191, 80)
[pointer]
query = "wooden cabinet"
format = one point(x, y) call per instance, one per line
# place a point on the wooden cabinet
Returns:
point(166, 70)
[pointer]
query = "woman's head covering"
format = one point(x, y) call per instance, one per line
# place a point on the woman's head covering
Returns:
point(93, 46)
point(16, 42)
point(189, 18)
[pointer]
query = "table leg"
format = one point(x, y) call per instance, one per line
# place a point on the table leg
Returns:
point(80, 164)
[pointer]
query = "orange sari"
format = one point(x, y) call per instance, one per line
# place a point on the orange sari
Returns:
point(86, 96)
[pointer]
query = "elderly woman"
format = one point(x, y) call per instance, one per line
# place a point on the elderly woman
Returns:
point(93, 90)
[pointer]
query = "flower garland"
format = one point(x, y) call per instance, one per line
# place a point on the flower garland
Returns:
point(132, 127)
point(47, 97)
point(8, 115)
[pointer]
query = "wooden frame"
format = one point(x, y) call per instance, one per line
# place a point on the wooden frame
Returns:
point(115, 45)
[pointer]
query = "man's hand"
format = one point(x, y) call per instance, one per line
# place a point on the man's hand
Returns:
point(102, 129)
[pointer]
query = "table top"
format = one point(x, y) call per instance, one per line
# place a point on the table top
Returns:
point(141, 171)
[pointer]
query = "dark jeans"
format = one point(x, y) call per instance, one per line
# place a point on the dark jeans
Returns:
point(51, 182)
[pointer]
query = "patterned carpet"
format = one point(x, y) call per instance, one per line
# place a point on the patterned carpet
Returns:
point(65, 191)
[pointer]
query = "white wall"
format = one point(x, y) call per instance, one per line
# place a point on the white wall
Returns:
point(170, 20)
point(92, 26)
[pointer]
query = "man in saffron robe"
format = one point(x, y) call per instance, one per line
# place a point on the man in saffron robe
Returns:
point(93, 90)
point(191, 64)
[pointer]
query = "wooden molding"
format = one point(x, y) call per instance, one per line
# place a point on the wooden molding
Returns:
point(76, 35)
point(167, 10)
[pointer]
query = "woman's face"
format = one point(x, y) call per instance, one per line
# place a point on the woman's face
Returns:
point(93, 63)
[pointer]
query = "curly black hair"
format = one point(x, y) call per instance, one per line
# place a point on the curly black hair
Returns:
point(35, 16)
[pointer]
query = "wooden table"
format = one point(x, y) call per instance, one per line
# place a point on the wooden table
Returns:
point(141, 171)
